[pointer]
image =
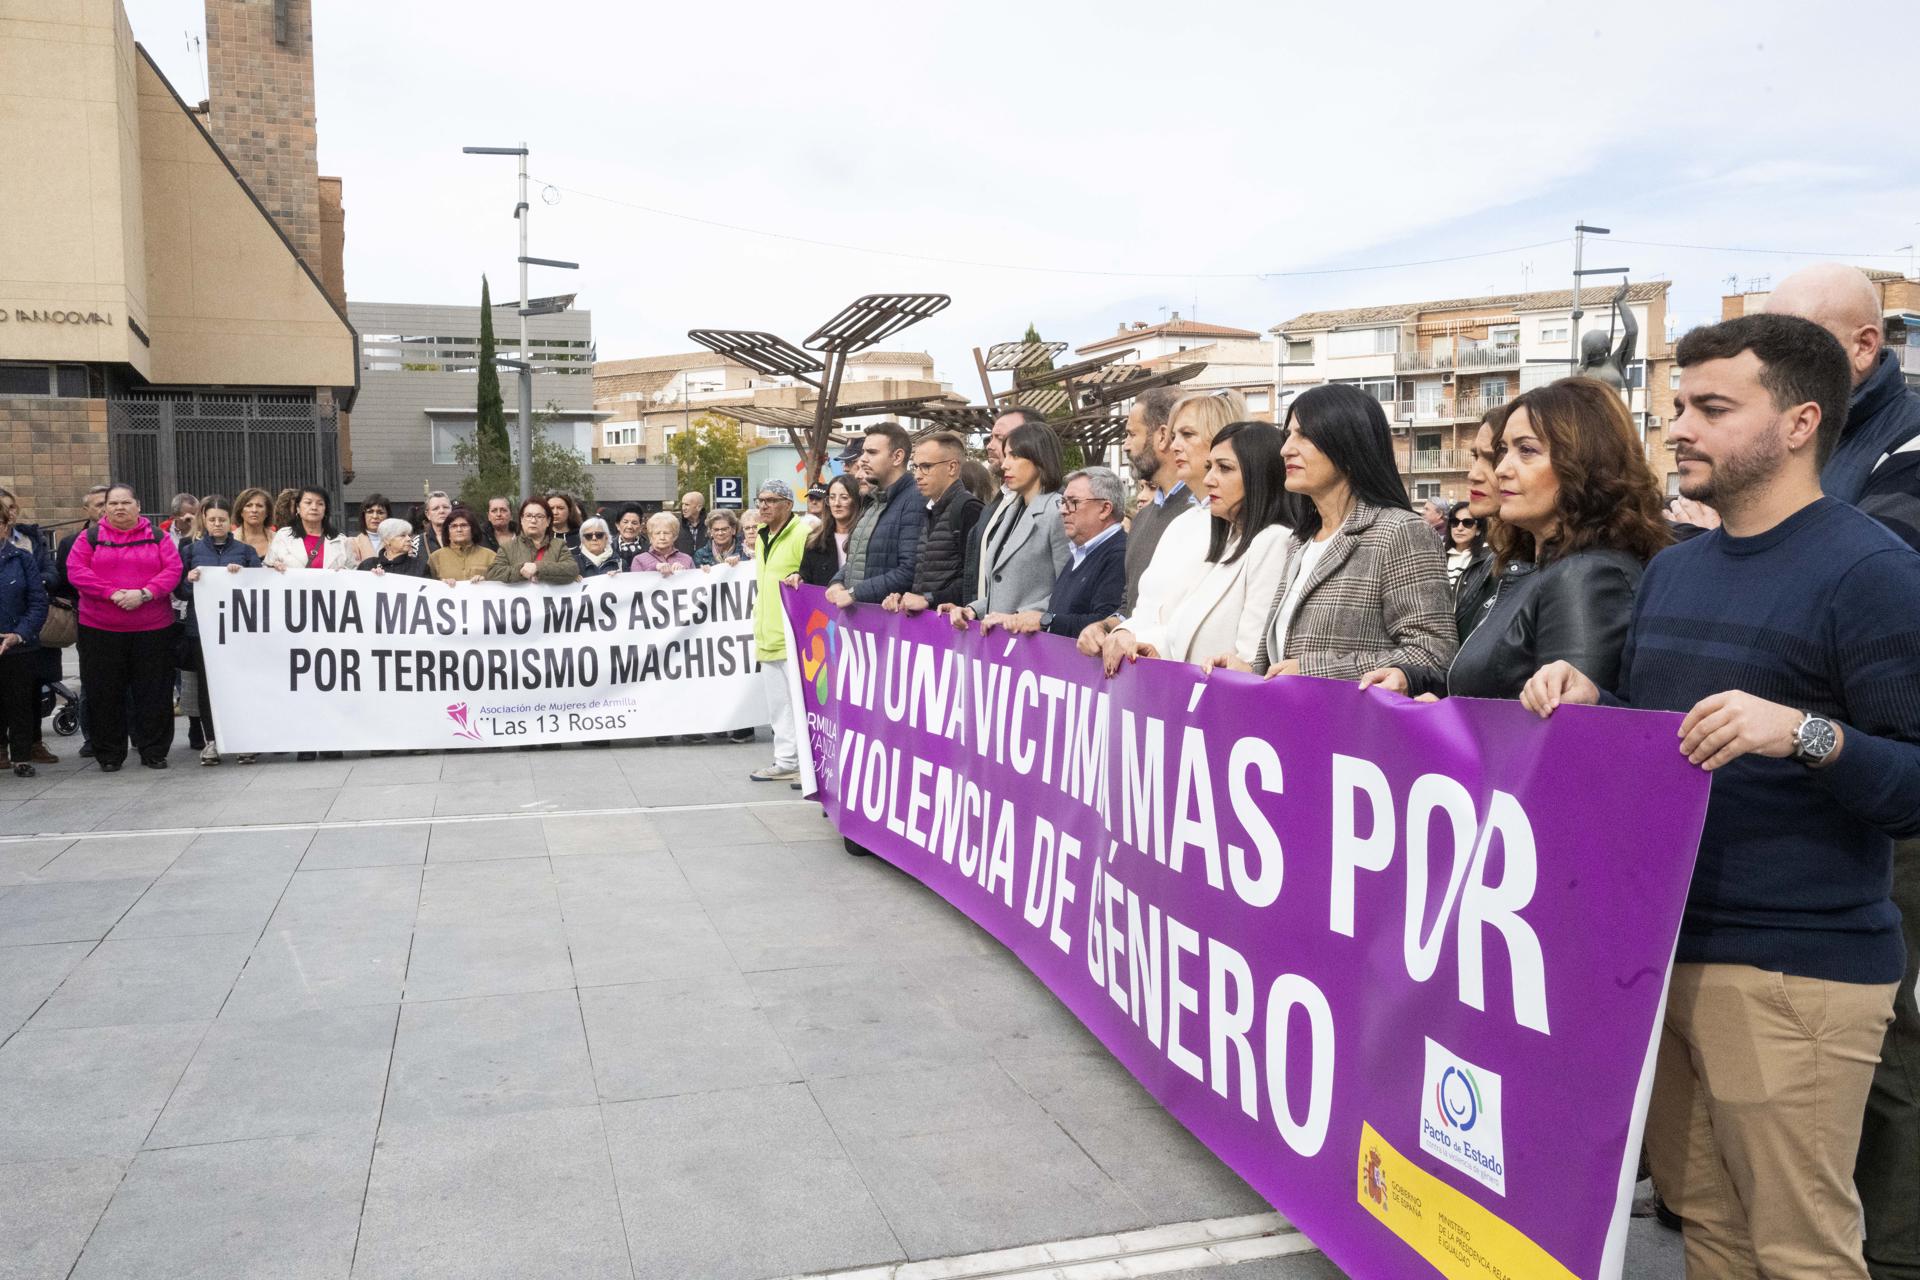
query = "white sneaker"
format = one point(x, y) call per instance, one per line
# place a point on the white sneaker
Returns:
point(209, 754)
point(775, 773)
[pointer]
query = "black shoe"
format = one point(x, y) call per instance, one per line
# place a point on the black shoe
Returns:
point(157, 762)
point(109, 768)
point(306, 755)
point(1666, 1217)
point(857, 850)
point(740, 735)
point(333, 755)
point(24, 770)
point(86, 750)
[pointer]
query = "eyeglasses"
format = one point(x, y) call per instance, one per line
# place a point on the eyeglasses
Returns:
point(594, 537)
point(921, 468)
point(1468, 523)
point(1074, 504)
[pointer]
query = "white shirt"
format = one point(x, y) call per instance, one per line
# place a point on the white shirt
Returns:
point(1283, 616)
point(1083, 550)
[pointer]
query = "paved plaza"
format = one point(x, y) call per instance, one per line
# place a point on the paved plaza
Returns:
point(576, 1013)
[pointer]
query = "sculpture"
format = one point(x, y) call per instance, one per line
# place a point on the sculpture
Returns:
point(1600, 356)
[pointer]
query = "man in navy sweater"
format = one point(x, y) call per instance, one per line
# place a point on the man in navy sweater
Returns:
point(1095, 579)
point(1790, 637)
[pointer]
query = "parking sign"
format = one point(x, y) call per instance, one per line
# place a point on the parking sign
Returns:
point(730, 492)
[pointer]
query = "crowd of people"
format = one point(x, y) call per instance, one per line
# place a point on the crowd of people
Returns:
point(1775, 604)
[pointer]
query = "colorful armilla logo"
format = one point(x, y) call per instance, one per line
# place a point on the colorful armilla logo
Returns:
point(1457, 1097)
point(458, 714)
point(820, 645)
point(1374, 1179)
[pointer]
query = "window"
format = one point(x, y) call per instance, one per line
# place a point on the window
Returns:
point(1257, 401)
point(1637, 374)
point(71, 381)
point(25, 380)
point(1673, 484)
point(1493, 391)
point(1427, 398)
point(1539, 375)
point(446, 435)
point(1424, 489)
point(1553, 333)
point(622, 436)
point(1426, 442)
point(1300, 350)
point(1504, 335)
point(1363, 342)
point(1673, 377)
point(1380, 389)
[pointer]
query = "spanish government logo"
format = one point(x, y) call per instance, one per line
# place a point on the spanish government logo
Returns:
point(1460, 1120)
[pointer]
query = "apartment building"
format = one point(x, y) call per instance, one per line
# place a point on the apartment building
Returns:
point(1240, 359)
point(1899, 305)
point(1437, 367)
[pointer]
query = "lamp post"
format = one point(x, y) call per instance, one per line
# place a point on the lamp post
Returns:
point(525, 307)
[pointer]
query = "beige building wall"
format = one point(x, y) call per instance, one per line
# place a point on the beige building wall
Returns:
point(231, 302)
point(72, 263)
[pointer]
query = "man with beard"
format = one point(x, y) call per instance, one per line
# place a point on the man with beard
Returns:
point(1790, 638)
point(1150, 454)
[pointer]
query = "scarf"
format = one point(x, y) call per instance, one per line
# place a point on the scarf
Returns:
point(596, 560)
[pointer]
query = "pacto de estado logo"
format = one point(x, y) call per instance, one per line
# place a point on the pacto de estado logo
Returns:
point(818, 648)
point(1460, 1117)
point(1457, 1099)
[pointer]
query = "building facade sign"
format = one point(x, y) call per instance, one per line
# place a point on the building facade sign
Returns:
point(21, 315)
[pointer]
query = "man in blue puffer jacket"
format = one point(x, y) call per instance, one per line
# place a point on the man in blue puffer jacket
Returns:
point(23, 610)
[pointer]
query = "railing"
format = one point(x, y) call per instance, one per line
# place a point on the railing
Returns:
point(1462, 356)
point(1447, 409)
point(164, 444)
point(1440, 459)
point(1908, 358)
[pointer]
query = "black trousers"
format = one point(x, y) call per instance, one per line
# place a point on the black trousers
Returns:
point(193, 658)
point(19, 701)
point(129, 681)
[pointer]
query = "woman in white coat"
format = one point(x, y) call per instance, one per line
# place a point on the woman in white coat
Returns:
point(310, 540)
point(1224, 610)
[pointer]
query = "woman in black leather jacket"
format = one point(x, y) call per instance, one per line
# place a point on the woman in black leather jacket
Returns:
point(1579, 518)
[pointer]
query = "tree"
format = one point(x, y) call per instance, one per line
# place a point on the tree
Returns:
point(1070, 453)
point(556, 469)
point(711, 446)
point(490, 430)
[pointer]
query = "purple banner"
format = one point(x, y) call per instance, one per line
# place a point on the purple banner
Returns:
point(1400, 965)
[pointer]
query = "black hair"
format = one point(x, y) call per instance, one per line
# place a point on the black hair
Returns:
point(327, 529)
point(1350, 427)
point(822, 536)
point(374, 500)
point(897, 437)
point(1024, 416)
point(1800, 362)
point(1265, 501)
point(1036, 443)
point(1479, 525)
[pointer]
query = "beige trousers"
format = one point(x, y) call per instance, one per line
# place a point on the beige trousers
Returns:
point(1758, 1091)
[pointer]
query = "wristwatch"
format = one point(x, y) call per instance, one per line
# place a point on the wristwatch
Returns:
point(1046, 622)
point(1814, 740)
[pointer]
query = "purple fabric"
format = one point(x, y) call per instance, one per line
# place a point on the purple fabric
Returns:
point(647, 562)
point(1612, 810)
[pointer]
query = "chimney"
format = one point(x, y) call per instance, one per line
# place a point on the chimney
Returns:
point(260, 83)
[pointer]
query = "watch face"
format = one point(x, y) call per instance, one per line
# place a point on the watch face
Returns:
point(1816, 738)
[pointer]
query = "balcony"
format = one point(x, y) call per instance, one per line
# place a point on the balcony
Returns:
point(1463, 355)
point(1440, 459)
point(1447, 409)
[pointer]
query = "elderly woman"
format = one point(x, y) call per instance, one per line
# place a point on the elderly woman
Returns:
point(463, 559)
point(431, 532)
point(662, 555)
point(533, 554)
point(723, 541)
point(595, 554)
point(630, 534)
point(124, 570)
point(397, 554)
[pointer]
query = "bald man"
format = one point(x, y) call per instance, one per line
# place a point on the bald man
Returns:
point(1876, 467)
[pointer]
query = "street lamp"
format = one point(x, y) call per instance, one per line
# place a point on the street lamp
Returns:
point(526, 308)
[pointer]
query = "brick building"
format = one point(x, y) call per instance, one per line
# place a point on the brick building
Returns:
point(1899, 308)
point(172, 298)
point(1436, 367)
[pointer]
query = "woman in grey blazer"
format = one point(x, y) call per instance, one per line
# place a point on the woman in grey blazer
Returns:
point(1024, 547)
point(1364, 579)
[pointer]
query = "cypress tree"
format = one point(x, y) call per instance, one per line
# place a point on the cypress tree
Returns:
point(490, 434)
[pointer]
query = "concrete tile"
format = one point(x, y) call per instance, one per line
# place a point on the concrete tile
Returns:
point(148, 980)
point(484, 1197)
point(452, 799)
point(403, 844)
point(502, 769)
point(1162, 1166)
point(1076, 1082)
point(796, 822)
point(733, 873)
point(51, 816)
point(944, 1099)
point(182, 903)
point(961, 1191)
point(116, 858)
point(488, 1056)
point(88, 1092)
point(656, 1039)
point(514, 888)
point(320, 968)
point(609, 945)
point(28, 975)
point(487, 956)
point(486, 841)
point(245, 852)
point(280, 1208)
point(281, 772)
point(387, 771)
point(284, 1074)
point(256, 808)
point(71, 912)
point(795, 930)
point(742, 1183)
point(857, 1019)
point(1299, 1266)
point(601, 833)
point(995, 997)
point(47, 1210)
point(351, 899)
point(398, 800)
point(708, 828)
point(638, 880)
point(21, 860)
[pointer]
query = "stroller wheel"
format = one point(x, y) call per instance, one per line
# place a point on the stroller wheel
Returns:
point(66, 722)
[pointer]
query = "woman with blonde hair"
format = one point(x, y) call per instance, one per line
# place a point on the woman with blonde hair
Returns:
point(1180, 559)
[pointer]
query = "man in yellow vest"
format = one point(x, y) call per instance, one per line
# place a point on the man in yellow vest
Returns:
point(782, 538)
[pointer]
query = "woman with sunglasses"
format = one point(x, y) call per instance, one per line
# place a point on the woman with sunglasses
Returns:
point(595, 554)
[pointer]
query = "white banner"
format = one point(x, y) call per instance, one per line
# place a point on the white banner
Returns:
point(312, 660)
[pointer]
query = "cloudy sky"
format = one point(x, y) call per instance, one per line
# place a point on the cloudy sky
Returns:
point(1078, 165)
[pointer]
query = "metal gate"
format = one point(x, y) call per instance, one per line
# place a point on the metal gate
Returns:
point(163, 443)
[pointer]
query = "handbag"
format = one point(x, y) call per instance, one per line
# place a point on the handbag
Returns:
point(62, 626)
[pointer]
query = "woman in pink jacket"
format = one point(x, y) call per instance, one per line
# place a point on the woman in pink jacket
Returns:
point(124, 570)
